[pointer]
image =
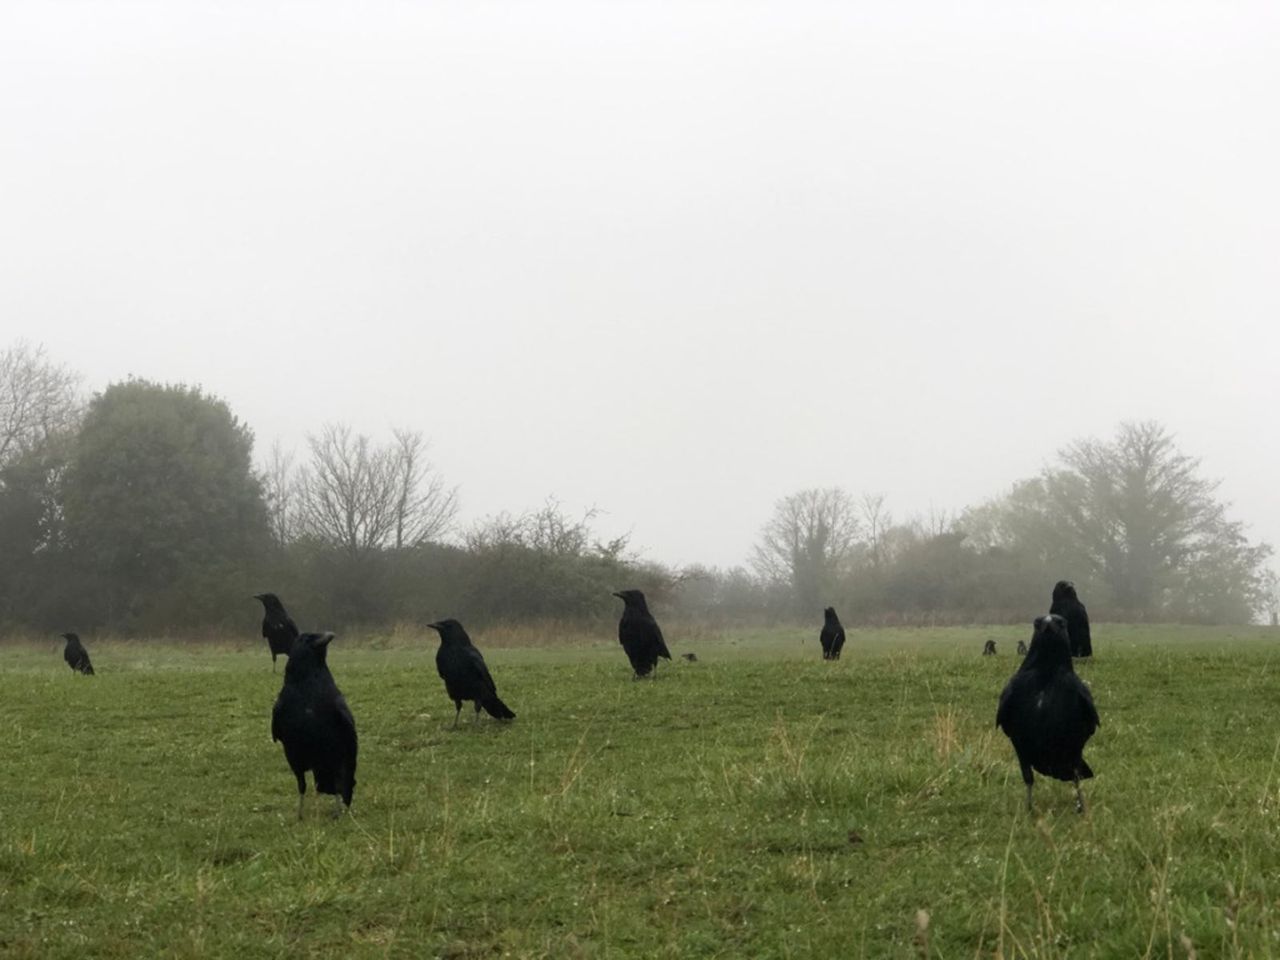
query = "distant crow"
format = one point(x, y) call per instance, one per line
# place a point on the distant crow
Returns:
point(1047, 711)
point(691, 657)
point(639, 634)
point(1022, 648)
point(76, 655)
point(311, 718)
point(277, 626)
point(989, 648)
point(465, 675)
point(1068, 606)
point(832, 636)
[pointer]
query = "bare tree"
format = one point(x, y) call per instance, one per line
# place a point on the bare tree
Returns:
point(548, 530)
point(362, 498)
point(280, 487)
point(425, 506)
point(877, 520)
point(811, 535)
point(38, 398)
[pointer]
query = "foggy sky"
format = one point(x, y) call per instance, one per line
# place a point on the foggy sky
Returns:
point(675, 260)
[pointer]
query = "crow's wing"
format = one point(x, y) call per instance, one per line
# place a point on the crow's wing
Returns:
point(1006, 703)
point(346, 724)
point(658, 638)
point(480, 669)
point(1092, 719)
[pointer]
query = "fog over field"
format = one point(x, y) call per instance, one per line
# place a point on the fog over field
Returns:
point(674, 260)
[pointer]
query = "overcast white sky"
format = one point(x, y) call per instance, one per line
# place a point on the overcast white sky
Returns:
point(678, 259)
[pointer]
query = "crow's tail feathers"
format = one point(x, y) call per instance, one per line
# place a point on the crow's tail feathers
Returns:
point(496, 708)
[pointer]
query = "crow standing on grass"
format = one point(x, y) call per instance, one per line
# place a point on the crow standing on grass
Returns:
point(1068, 606)
point(76, 655)
point(311, 718)
point(1048, 712)
point(277, 626)
point(465, 675)
point(640, 634)
point(832, 636)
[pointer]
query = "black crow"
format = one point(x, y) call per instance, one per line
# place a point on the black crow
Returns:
point(691, 657)
point(1022, 648)
point(1047, 711)
point(76, 655)
point(311, 718)
point(277, 626)
point(832, 636)
point(1068, 606)
point(465, 675)
point(639, 634)
point(989, 648)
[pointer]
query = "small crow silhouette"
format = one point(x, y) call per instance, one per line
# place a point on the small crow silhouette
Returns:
point(465, 675)
point(1047, 711)
point(76, 655)
point(989, 648)
point(832, 636)
point(1068, 606)
point(639, 634)
point(277, 626)
point(691, 657)
point(1022, 648)
point(311, 718)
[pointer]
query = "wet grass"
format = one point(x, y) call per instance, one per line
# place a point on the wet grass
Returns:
point(757, 803)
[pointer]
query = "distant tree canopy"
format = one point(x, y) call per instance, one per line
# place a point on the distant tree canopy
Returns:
point(1134, 522)
point(162, 504)
point(143, 513)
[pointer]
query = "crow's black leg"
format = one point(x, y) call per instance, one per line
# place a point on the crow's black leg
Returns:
point(457, 712)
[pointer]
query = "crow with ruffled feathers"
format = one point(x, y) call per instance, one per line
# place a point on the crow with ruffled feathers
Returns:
point(1066, 604)
point(832, 636)
point(277, 626)
point(639, 634)
point(465, 674)
point(313, 722)
point(76, 655)
point(1048, 712)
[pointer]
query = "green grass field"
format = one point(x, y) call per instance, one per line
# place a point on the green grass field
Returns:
point(758, 803)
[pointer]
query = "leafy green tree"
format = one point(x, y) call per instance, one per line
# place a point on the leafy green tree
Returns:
point(162, 506)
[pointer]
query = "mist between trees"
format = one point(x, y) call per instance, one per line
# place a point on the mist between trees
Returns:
point(143, 512)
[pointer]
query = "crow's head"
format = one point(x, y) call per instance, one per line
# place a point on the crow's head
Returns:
point(71, 637)
point(632, 598)
point(829, 613)
point(450, 631)
point(310, 649)
point(1064, 590)
point(1050, 646)
point(269, 601)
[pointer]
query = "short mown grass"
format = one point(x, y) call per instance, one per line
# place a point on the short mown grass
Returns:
point(757, 803)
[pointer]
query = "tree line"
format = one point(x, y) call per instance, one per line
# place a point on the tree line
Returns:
point(143, 511)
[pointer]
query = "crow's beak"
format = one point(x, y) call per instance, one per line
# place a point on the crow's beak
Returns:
point(325, 639)
point(258, 596)
point(434, 626)
point(619, 595)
